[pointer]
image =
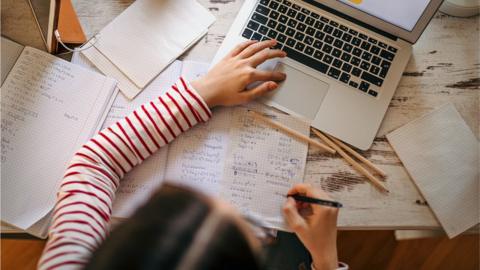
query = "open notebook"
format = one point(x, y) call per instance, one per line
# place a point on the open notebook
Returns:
point(49, 108)
point(232, 156)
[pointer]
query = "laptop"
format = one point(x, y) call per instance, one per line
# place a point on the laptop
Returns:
point(344, 60)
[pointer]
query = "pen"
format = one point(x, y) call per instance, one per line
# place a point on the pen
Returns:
point(306, 199)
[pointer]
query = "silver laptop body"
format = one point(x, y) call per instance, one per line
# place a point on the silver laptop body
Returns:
point(340, 81)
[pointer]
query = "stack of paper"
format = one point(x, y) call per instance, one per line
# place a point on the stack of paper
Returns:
point(137, 45)
point(441, 154)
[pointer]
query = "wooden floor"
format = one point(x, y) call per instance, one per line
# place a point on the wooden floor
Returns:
point(360, 249)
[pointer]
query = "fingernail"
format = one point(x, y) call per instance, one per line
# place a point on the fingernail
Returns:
point(272, 86)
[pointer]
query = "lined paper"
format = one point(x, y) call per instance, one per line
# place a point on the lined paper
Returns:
point(440, 153)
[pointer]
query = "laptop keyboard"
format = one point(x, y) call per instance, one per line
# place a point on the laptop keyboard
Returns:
point(353, 58)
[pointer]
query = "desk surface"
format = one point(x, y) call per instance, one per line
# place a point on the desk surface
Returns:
point(445, 67)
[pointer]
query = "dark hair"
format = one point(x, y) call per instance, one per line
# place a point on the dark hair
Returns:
point(161, 233)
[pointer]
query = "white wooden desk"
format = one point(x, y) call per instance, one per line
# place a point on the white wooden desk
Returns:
point(444, 68)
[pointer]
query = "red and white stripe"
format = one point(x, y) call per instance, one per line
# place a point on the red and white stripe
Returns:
point(85, 198)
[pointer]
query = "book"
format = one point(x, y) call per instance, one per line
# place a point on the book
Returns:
point(49, 108)
point(232, 156)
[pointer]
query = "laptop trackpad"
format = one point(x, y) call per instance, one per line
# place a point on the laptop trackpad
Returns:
point(300, 92)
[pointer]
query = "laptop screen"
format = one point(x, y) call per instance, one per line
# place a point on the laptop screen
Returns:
point(401, 13)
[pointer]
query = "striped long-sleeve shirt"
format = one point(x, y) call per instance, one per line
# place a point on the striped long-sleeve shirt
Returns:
point(83, 209)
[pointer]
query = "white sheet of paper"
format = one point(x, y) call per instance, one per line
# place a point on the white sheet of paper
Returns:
point(10, 53)
point(440, 153)
point(138, 44)
point(50, 107)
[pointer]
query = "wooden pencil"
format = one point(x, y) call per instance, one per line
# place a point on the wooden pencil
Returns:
point(291, 132)
point(351, 161)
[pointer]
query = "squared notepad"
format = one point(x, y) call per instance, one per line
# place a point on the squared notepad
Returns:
point(441, 154)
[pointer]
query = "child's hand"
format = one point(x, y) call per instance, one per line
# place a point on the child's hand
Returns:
point(315, 226)
point(225, 83)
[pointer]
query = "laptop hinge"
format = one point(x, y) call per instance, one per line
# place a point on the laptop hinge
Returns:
point(351, 19)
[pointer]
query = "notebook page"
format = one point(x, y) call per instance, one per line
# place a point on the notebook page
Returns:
point(262, 164)
point(137, 186)
point(48, 111)
point(440, 153)
point(10, 51)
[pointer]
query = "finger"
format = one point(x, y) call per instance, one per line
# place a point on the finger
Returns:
point(240, 47)
point(264, 55)
point(292, 217)
point(256, 47)
point(259, 91)
point(262, 75)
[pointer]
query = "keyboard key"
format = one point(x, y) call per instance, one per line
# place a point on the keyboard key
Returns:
point(287, 3)
point(347, 47)
point(310, 31)
point(301, 27)
point(291, 13)
point(356, 41)
point(372, 93)
point(338, 43)
point(264, 2)
point(283, 19)
point(385, 64)
point(387, 55)
point(319, 35)
point(319, 25)
point(352, 32)
point(253, 25)
point(308, 40)
point(372, 79)
point(372, 40)
point(299, 36)
point(334, 73)
point(344, 28)
point(315, 15)
point(265, 38)
point(308, 61)
point(309, 50)
point(355, 61)
point(281, 28)
point(383, 45)
point(278, 46)
point(328, 29)
point(375, 70)
point(281, 38)
point(290, 42)
point(274, 15)
point(328, 39)
point(297, 7)
point(364, 65)
point(325, 20)
point(345, 77)
point(383, 73)
point(375, 49)
point(256, 36)
point(356, 71)
point(365, 45)
point(259, 18)
point(262, 10)
point(337, 33)
point(318, 55)
point(376, 60)
point(346, 57)
point(347, 37)
point(272, 24)
point(364, 86)
point(347, 67)
point(310, 21)
point(353, 84)
point(318, 44)
point(327, 59)
point(300, 46)
point(282, 9)
point(274, 5)
point(392, 49)
point(290, 32)
point(306, 11)
point(247, 33)
point(357, 52)
point(263, 30)
point(334, 24)
point(363, 36)
point(366, 56)
point(336, 52)
point(272, 34)
point(301, 17)
point(292, 23)
point(337, 63)
point(327, 48)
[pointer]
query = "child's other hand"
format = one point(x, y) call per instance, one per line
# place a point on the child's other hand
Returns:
point(225, 84)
